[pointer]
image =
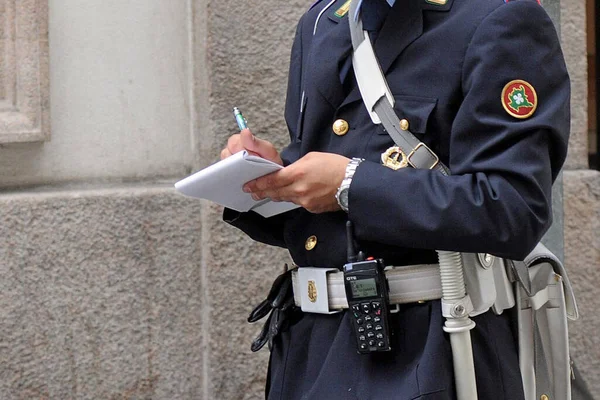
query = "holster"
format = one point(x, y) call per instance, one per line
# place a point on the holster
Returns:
point(540, 289)
point(545, 301)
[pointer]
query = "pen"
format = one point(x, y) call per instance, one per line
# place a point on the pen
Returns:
point(239, 118)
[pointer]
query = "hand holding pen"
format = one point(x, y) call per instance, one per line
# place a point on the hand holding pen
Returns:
point(245, 140)
point(311, 182)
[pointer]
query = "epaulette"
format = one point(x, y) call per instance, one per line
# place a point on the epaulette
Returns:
point(538, 1)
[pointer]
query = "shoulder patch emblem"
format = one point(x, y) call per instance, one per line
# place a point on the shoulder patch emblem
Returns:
point(519, 99)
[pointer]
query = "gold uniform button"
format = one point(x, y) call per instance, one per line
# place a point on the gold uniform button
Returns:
point(311, 243)
point(544, 397)
point(404, 124)
point(341, 127)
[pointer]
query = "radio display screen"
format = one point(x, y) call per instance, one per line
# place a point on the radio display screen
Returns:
point(363, 288)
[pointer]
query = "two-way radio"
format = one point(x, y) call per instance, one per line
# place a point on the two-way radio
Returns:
point(367, 294)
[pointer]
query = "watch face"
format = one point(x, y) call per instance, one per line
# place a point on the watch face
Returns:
point(344, 197)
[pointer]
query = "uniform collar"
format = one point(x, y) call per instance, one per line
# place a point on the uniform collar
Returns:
point(390, 2)
point(334, 42)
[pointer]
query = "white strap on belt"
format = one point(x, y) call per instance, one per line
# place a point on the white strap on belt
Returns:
point(408, 284)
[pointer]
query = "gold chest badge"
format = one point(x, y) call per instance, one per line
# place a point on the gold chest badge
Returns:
point(394, 158)
point(312, 291)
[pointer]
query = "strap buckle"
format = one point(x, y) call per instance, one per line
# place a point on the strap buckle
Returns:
point(432, 156)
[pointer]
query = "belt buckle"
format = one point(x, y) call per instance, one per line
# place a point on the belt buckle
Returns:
point(314, 294)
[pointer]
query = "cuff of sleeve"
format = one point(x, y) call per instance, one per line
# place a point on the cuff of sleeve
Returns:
point(368, 195)
point(363, 171)
point(230, 216)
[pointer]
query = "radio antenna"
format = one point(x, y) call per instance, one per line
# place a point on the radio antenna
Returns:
point(350, 242)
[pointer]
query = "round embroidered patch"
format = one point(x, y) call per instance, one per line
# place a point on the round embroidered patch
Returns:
point(519, 99)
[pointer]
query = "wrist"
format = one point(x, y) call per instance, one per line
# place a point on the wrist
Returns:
point(342, 193)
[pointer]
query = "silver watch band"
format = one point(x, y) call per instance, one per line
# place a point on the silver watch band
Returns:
point(340, 196)
point(351, 169)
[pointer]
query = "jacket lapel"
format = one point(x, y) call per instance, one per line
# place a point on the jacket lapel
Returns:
point(331, 46)
point(403, 26)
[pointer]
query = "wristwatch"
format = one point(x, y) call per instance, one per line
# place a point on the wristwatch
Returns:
point(342, 193)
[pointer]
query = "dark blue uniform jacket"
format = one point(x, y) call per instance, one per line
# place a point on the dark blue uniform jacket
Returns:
point(446, 65)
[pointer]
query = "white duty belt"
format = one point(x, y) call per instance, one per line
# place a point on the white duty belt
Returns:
point(322, 291)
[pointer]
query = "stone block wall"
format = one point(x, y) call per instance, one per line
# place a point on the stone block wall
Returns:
point(581, 201)
point(248, 71)
point(582, 257)
point(101, 295)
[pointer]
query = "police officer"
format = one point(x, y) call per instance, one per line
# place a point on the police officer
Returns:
point(483, 84)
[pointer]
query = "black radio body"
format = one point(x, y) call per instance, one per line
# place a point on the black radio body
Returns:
point(367, 294)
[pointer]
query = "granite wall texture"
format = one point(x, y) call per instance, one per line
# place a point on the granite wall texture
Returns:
point(581, 201)
point(101, 295)
point(582, 258)
point(122, 289)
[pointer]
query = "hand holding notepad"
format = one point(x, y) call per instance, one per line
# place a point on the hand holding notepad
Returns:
point(222, 183)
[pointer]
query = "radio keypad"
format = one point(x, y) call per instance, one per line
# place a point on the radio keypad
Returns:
point(370, 326)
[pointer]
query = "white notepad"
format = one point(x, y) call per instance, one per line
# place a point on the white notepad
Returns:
point(222, 183)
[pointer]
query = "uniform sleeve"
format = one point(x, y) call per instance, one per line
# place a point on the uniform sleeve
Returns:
point(498, 199)
point(259, 228)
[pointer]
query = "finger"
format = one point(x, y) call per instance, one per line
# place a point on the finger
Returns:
point(267, 182)
point(258, 185)
point(270, 182)
point(281, 193)
point(248, 140)
point(234, 144)
point(274, 195)
point(284, 178)
point(259, 146)
point(225, 153)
